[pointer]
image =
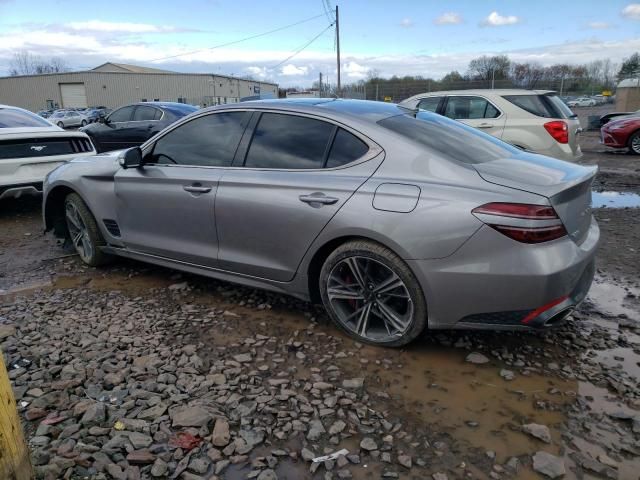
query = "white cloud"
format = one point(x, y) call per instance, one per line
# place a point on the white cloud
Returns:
point(100, 26)
point(260, 72)
point(599, 25)
point(406, 23)
point(632, 11)
point(291, 69)
point(448, 18)
point(355, 70)
point(496, 20)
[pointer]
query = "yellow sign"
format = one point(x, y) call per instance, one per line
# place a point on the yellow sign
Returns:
point(606, 93)
point(387, 99)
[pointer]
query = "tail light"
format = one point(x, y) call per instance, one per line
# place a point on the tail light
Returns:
point(522, 222)
point(558, 130)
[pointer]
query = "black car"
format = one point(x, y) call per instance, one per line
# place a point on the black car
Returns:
point(133, 125)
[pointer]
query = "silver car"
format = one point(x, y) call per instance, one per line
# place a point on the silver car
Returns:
point(68, 118)
point(395, 220)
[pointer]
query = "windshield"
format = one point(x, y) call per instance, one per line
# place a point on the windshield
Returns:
point(450, 138)
point(13, 118)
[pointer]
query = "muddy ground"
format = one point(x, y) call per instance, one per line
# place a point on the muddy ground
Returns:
point(132, 371)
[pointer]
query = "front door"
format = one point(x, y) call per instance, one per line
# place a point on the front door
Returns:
point(476, 112)
point(166, 208)
point(113, 134)
point(297, 173)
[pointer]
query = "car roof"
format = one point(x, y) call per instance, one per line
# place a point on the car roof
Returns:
point(362, 110)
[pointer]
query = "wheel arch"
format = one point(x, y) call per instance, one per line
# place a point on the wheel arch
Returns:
point(53, 210)
point(630, 137)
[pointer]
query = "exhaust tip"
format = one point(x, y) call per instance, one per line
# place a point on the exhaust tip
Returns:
point(558, 317)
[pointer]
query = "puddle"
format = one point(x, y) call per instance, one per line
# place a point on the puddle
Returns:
point(614, 300)
point(615, 199)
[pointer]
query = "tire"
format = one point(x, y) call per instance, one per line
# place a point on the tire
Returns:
point(83, 123)
point(634, 143)
point(84, 234)
point(392, 317)
point(61, 125)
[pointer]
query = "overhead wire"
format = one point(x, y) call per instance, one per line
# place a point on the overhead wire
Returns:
point(302, 48)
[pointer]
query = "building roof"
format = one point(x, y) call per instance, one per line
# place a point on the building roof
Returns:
point(124, 67)
point(629, 82)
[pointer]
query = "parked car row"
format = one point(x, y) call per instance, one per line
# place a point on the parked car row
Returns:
point(89, 115)
point(586, 100)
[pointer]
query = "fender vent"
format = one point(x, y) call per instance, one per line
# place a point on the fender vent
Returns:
point(112, 227)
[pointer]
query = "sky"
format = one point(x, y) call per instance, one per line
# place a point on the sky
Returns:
point(399, 37)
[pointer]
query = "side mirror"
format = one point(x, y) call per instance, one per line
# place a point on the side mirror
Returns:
point(132, 158)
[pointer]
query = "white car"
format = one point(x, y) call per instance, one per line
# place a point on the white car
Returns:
point(30, 147)
point(68, 118)
point(534, 120)
point(582, 102)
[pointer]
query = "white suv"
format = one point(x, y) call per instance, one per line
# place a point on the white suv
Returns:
point(534, 120)
point(30, 147)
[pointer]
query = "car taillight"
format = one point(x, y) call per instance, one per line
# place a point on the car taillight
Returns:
point(558, 130)
point(522, 222)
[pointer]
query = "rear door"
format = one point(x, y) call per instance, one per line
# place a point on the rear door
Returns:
point(477, 112)
point(166, 208)
point(430, 104)
point(144, 123)
point(296, 172)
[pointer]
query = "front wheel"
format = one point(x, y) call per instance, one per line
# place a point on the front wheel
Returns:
point(372, 295)
point(634, 143)
point(83, 231)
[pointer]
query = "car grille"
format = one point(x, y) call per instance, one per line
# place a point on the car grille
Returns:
point(44, 147)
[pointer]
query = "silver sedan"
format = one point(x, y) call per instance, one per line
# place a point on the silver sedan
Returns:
point(395, 220)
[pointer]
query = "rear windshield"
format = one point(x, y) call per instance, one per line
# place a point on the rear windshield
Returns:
point(450, 138)
point(547, 106)
point(12, 118)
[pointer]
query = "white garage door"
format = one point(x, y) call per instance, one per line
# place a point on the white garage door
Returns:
point(73, 95)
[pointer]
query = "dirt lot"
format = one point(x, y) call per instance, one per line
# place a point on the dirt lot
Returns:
point(133, 371)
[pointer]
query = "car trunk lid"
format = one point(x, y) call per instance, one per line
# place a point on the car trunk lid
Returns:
point(566, 185)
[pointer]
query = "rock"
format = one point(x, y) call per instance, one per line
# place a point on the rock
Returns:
point(94, 415)
point(116, 472)
point(316, 429)
point(508, 375)
point(140, 440)
point(199, 465)
point(404, 460)
point(154, 412)
point(440, 476)
point(368, 443)
point(337, 427)
point(141, 457)
point(607, 460)
point(477, 358)
point(549, 465)
point(159, 468)
point(187, 416)
point(353, 383)
point(221, 435)
point(267, 474)
point(242, 358)
point(252, 437)
point(541, 432)
point(218, 378)
point(307, 455)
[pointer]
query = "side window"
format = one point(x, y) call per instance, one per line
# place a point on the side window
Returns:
point(430, 104)
point(144, 113)
point(468, 108)
point(209, 141)
point(121, 115)
point(345, 149)
point(288, 141)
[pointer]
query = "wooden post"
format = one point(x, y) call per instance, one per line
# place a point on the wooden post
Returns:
point(15, 463)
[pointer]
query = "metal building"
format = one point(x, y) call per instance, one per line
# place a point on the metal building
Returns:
point(115, 84)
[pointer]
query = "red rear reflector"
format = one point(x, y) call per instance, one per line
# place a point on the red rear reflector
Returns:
point(558, 130)
point(518, 210)
point(532, 235)
point(539, 311)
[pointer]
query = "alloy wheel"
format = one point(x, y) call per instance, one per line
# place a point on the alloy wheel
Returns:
point(78, 232)
point(369, 299)
point(635, 144)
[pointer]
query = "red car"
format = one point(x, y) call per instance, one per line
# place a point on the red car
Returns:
point(622, 133)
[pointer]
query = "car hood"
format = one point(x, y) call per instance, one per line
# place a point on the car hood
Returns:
point(625, 118)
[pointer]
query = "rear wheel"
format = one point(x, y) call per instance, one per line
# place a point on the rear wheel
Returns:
point(61, 125)
point(634, 143)
point(372, 295)
point(83, 123)
point(83, 231)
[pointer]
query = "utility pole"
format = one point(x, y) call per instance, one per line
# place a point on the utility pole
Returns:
point(493, 77)
point(338, 47)
point(561, 84)
point(320, 86)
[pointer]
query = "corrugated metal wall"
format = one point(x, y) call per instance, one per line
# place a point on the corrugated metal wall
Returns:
point(115, 89)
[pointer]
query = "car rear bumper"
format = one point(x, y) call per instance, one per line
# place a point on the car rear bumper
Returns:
point(563, 151)
point(495, 282)
point(16, 191)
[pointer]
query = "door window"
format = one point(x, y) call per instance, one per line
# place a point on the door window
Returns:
point(468, 108)
point(121, 115)
point(430, 104)
point(144, 113)
point(288, 142)
point(345, 149)
point(209, 141)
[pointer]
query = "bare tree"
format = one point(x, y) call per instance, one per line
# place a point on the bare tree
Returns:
point(486, 68)
point(25, 63)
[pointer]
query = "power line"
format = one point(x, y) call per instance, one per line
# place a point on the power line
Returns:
point(239, 41)
point(303, 47)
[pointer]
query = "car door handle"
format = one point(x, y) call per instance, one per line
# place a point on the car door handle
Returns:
point(318, 197)
point(485, 125)
point(196, 189)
